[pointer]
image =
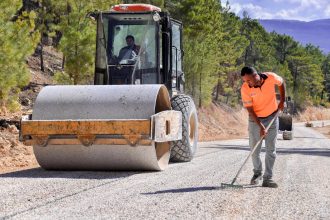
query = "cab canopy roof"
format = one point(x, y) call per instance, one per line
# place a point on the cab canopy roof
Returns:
point(134, 8)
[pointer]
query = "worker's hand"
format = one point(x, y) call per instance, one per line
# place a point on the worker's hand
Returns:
point(263, 131)
point(281, 106)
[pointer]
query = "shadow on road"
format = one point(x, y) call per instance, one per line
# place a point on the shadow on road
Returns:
point(185, 190)
point(41, 173)
point(202, 188)
point(310, 138)
point(325, 152)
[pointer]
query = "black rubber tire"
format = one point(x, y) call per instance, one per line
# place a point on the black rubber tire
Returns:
point(185, 149)
point(287, 135)
point(285, 122)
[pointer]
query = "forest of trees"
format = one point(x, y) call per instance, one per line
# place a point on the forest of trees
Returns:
point(217, 45)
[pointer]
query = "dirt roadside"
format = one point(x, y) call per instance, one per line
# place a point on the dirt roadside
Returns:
point(314, 114)
point(13, 154)
point(324, 130)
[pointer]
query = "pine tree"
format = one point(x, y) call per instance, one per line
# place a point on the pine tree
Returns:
point(285, 46)
point(45, 22)
point(17, 41)
point(259, 53)
point(231, 47)
point(326, 73)
point(78, 41)
point(304, 74)
point(315, 73)
point(201, 19)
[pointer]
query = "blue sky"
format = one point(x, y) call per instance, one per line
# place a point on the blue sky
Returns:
point(304, 10)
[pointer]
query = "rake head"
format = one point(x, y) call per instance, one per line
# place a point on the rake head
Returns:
point(231, 185)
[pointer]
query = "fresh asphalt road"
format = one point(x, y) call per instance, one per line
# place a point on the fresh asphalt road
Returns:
point(185, 190)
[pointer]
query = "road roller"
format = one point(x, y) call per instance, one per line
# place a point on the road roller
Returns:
point(135, 116)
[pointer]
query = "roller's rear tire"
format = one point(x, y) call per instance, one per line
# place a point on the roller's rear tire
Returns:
point(185, 149)
point(285, 125)
point(285, 122)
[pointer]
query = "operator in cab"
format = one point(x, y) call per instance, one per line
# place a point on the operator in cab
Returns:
point(129, 52)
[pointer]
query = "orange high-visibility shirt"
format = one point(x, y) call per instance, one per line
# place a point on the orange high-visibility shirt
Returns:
point(262, 99)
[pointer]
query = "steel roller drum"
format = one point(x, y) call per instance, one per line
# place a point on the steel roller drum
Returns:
point(102, 102)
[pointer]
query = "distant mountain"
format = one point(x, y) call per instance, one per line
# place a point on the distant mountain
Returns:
point(315, 32)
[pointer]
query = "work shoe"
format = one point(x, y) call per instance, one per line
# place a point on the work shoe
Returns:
point(269, 183)
point(255, 179)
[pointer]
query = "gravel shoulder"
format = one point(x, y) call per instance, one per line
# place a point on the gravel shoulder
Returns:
point(185, 190)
